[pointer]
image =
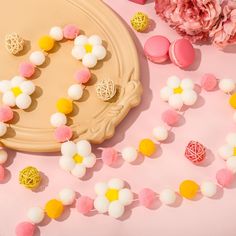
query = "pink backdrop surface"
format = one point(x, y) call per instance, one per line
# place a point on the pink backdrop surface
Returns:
point(209, 121)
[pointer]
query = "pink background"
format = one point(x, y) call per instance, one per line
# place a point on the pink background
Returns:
point(208, 122)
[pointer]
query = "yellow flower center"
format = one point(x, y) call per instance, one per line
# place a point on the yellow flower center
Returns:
point(88, 47)
point(16, 91)
point(234, 151)
point(78, 159)
point(178, 90)
point(112, 194)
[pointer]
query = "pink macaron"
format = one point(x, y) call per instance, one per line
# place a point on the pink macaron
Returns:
point(182, 53)
point(156, 49)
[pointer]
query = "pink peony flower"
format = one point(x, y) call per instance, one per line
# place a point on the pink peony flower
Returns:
point(224, 32)
point(191, 18)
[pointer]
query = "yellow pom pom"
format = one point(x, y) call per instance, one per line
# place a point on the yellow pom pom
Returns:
point(46, 43)
point(54, 208)
point(147, 147)
point(30, 177)
point(232, 100)
point(64, 105)
point(188, 189)
point(140, 21)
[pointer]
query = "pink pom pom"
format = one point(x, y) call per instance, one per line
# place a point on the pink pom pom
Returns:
point(224, 177)
point(2, 173)
point(84, 204)
point(6, 113)
point(170, 117)
point(109, 156)
point(71, 31)
point(82, 76)
point(146, 197)
point(209, 82)
point(26, 69)
point(63, 133)
point(25, 229)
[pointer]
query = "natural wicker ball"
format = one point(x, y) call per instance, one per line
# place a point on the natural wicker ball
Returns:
point(105, 89)
point(140, 21)
point(30, 177)
point(195, 152)
point(14, 43)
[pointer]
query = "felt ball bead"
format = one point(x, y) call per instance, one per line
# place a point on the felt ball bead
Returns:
point(208, 189)
point(17, 81)
point(46, 43)
point(84, 205)
point(116, 209)
point(35, 215)
point(116, 183)
point(37, 58)
point(78, 52)
point(95, 40)
point(188, 189)
point(227, 85)
point(58, 119)
point(68, 148)
point(25, 229)
point(3, 129)
point(3, 156)
point(64, 105)
point(176, 101)
point(225, 152)
point(109, 156)
point(6, 113)
point(231, 164)
point(129, 154)
point(187, 84)
point(71, 31)
point(167, 196)
point(26, 69)
point(224, 177)
point(89, 60)
point(82, 76)
point(147, 147)
point(67, 196)
point(56, 33)
point(78, 171)
point(173, 81)
point(54, 209)
point(160, 133)
point(63, 133)
point(170, 117)
point(75, 91)
point(5, 85)
point(209, 82)
point(232, 100)
point(146, 197)
point(2, 173)
point(23, 101)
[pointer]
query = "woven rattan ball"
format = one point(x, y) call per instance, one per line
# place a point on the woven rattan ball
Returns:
point(14, 43)
point(30, 177)
point(140, 21)
point(106, 90)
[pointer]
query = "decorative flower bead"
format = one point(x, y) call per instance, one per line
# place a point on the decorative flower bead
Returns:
point(160, 133)
point(84, 205)
point(26, 69)
point(227, 85)
point(188, 189)
point(195, 152)
point(224, 177)
point(208, 189)
point(82, 76)
point(228, 150)
point(25, 229)
point(63, 133)
point(56, 33)
point(6, 113)
point(67, 196)
point(112, 197)
point(3, 156)
point(146, 197)
point(54, 209)
point(129, 154)
point(17, 92)
point(75, 91)
point(178, 93)
point(71, 31)
point(147, 147)
point(109, 156)
point(76, 157)
point(58, 119)
point(46, 43)
point(171, 117)
point(89, 50)
point(35, 215)
point(37, 58)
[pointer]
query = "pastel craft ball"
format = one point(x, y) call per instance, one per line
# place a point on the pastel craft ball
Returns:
point(64, 105)
point(188, 189)
point(54, 209)
point(2, 173)
point(209, 82)
point(231, 164)
point(208, 189)
point(82, 76)
point(227, 85)
point(224, 177)
point(35, 215)
point(56, 33)
point(129, 154)
point(46, 43)
point(25, 229)
point(160, 133)
point(67, 196)
point(146, 197)
point(63, 133)
point(109, 156)
point(26, 69)
point(71, 31)
point(147, 147)
point(58, 119)
point(171, 117)
point(75, 91)
point(37, 58)
point(6, 113)
point(84, 204)
point(167, 196)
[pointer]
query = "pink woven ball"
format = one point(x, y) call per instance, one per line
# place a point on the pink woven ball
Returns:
point(82, 76)
point(146, 197)
point(63, 133)
point(195, 152)
point(6, 113)
point(26, 69)
point(224, 177)
point(25, 229)
point(71, 31)
point(170, 117)
point(84, 204)
point(109, 156)
point(2, 173)
point(209, 82)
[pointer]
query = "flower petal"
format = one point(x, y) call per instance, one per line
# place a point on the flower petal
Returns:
point(9, 99)
point(101, 204)
point(27, 87)
point(89, 161)
point(78, 171)
point(187, 84)
point(125, 196)
point(84, 148)
point(81, 40)
point(101, 188)
point(116, 209)
point(95, 40)
point(99, 51)
point(78, 52)
point(17, 80)
point(173, 82)
point(165, 93)
point(116, 183)
point(5, 85)
point(66, 163)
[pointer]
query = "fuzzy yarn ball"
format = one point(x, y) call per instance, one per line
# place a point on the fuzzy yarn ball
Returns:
point(64, 105)
point(146, 197)
point(63, 133)
point(6, 113)
point(54, 209)
point(209, 82)
point(26, 69)
point(25, 229)
point(109, 156)
point(71, 31)
point(188, 189)
point(82, 76)
point(147, 147)
point(84, 204)
point(171, 117)
point(224, 177)
point(46, 43)
point(195, 152)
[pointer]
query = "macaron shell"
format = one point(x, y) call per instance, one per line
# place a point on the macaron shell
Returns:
point(182, 53)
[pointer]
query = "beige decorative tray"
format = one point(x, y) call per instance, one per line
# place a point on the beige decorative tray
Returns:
point(92, 118)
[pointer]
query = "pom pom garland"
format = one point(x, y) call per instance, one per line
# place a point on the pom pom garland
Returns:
point(224, 177)
point(71, 31)
point(208, 189)
point(26, 69)
point(83, 76)
point(54, 209)
point(46, 43)
point(195, 152)
point(146, 197)
point(35, 215)
point(63, 133)
point(188, 189)
point(167, 196)
point(6, 113)
point(25, 229)
point(84, 205)
point(67, 196)
point(147, 147)
point(37, 58)
point(56, 33)
point(109, 156)
point(171, 117)
point(227, 85)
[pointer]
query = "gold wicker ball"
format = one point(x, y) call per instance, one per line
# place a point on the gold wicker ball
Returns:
point(30, 177)
point(140, 21)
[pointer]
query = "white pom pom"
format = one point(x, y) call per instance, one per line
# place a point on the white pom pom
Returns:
point(67, 196)
point(176, 101)
point(9, 99)
point(129, 154)
point(227, 85)
point(89, 60)
point(78, 52)
point(3, 156)
point(84, 148)
point(56, 33)
point(189, 97)
point(66, 163)
point(80, 40)
point(165, 93)
point(27, 87)
point(35, 215)
point(231, 139)
point(5, 85)
point(231, 164)
point(116, 183)
point(3, 129)
point(187, 84)
point(160, 133)
point(99, 51)
point(89, 161)
point(37, 58)
point(208, 189)
point(78, 171)
point(75, 91)
point(101, 188)
point(17, 80)
point(116, 209)
point(167, 196)
point(173, 82)
point(125, 196)
point(101, 204)
point(57, 119)
point(23, 101)
point(95, 40)
point(68, 149)
point(226, 151)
